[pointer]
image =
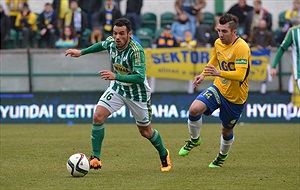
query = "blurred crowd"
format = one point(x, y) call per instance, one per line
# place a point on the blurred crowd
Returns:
point(255, 25)
point(62, 23)
point(78, 23)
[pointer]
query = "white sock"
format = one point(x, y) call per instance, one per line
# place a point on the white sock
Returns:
point(194, 128)
point(225, 145)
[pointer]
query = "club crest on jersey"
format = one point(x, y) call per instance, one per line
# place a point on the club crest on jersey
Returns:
point(113, 54)
point(121, 69)
point(218, 53)
point(229, 56)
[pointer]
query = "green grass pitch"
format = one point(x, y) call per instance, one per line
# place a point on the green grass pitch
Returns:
point(263, 156)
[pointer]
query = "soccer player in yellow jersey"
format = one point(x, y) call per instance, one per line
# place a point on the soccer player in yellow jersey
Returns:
point(230, 64)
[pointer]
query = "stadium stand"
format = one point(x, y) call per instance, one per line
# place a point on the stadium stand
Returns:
point(149, 20)
point(166, 18)
point(12, 41)
point(146, 36)
point(208, 18)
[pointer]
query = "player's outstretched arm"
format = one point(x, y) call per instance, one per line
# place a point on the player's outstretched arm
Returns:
point(73, 52)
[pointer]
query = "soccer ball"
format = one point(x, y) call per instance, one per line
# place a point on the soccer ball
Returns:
point(78, 165)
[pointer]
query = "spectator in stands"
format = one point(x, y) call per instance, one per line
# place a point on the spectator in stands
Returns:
point(47, 23)
point(78, 20)
point(253, 18)
point(14, 7)
point(107, 16)
point(292, 18)
point(294, 14)
point(202, 35)
point(189, 40)
point(166, 39)
point(90, 7)
point(213, 35)
point(262, 38)
point(96, 35)
point(192, 7)
point(241, 10)
point(207, 35)
point(282, 33)
point(180, 25)
point(26, 22)
point(4, 27)
point(61, 8)
point(133, 13)
point(68, 38)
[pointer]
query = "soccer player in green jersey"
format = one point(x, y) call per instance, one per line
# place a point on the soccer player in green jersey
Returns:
point(128, 85)
point(292, 38)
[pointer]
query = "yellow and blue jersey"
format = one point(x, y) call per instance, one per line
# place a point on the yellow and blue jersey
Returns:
point(234, 62)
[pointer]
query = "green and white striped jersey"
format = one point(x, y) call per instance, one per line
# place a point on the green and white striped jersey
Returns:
point(129, 66)
point(292, 38)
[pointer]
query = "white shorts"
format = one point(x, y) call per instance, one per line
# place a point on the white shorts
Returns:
point(113, 101)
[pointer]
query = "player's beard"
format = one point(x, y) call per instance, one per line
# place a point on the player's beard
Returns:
point(228, 39)
point(224, 41)
point(123, 46)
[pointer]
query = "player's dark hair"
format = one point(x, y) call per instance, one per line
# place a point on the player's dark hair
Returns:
point(231, 19)
point(123, 22)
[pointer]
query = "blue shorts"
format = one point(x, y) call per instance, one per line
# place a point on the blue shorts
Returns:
point(229, 112)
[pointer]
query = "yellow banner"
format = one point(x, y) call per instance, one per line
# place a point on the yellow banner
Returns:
point(185, 63)
point(176, 63)
point(260, 61)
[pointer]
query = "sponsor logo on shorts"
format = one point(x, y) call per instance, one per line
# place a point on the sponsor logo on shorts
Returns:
point(214, 91)
point(231, 123)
